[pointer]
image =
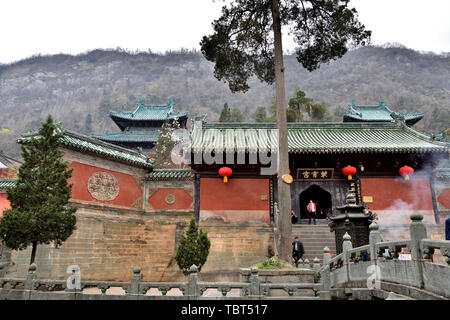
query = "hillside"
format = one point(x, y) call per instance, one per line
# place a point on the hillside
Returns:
point(72, 87)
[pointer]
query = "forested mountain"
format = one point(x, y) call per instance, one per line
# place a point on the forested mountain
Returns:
point(80, 90)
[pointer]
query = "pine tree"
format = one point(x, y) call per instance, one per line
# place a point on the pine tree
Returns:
point(193, 248)
point(247, 42)
point(39, 212)
point(165, 145)
point(261, 114)
point(236, 115)
point(225, 115)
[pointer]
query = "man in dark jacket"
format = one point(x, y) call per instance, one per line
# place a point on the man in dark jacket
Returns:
point(297, 250)
point(447, 229)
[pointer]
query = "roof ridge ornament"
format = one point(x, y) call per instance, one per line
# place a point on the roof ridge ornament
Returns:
point(352, 106)
point(399, 118)
point(381, 102)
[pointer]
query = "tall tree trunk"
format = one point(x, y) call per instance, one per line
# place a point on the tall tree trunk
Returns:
point(284, 191)
point(33, 252)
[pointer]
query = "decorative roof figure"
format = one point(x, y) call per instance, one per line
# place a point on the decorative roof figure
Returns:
point(380, 113)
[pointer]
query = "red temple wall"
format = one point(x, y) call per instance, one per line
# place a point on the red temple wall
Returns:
point(394, 199)
point(239, 200)
point(444, 198)
point(129, 190)
point(4, 203)
point(387, 191)
point(182, 200)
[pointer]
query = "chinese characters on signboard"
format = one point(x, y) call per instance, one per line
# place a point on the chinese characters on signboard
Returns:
point(355, 187)
point(314, 174)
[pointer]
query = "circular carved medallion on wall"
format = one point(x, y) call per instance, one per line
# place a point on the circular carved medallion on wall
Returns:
point(170, 199)
point(103, 186)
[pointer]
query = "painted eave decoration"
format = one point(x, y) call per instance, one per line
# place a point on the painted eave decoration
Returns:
point(7, 183)
point(170, 174)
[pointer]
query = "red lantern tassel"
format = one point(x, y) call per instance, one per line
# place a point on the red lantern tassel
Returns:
point(350, 177)
point(225, 179)
point(407, 177)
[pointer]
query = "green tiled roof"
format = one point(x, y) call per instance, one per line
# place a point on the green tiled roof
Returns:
point(5, 183)
point(377, 113)
point(170, 174)
point(308, 137)
point(150, 112)
point(83, 143)
point(128, 136)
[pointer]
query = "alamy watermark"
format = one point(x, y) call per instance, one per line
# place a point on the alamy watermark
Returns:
point(198, 148)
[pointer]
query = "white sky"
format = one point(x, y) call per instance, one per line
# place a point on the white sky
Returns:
point(29, 27)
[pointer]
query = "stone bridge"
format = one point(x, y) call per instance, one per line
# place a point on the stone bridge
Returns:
point(417, 268)
point(417, 274)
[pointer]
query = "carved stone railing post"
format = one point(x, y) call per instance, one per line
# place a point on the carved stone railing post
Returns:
point(30, 277)
point(316, 264)
point(135, 280)
point(254, 282)
point(316, 267)
point(326, 277)
point(28, 284)
point(374, 237)
point(346, 246)
point(192, 289)
point(306, 264)
point(326, 256)
point(417, 231)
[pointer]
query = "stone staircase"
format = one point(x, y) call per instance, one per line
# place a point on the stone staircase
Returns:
point(314, 239)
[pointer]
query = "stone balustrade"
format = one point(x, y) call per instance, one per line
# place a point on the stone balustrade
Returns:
point(413, 275)
point(32, 288)
point(416, 275)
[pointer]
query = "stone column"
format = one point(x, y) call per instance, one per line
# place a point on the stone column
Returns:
point(254, 282)
point(135, 281)
point(374, 238)
point(326, 276)
point(418, 231)
point(192, 288)
point(346, 245)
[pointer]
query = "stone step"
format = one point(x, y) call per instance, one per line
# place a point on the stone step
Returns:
point(314, 239)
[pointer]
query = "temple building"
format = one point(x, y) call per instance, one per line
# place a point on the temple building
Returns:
point(140, 128)
point(8, 176)
point(132, 214)
point(379, 113)
point(318, 153)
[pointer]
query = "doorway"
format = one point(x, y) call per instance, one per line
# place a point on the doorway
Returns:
point(318, 195)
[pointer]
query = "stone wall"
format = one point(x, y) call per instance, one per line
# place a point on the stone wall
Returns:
point(113, 236)
point(235, 246)
point(108, 243)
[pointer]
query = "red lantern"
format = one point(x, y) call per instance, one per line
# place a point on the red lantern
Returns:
point(406, 171)
point(349, 171)
point(225, 172)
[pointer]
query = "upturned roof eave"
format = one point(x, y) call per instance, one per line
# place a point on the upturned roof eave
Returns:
point(135, 158)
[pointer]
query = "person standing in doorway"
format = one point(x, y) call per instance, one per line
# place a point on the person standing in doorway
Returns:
point(312, 207)
point(293, 217)
point(297, 250)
